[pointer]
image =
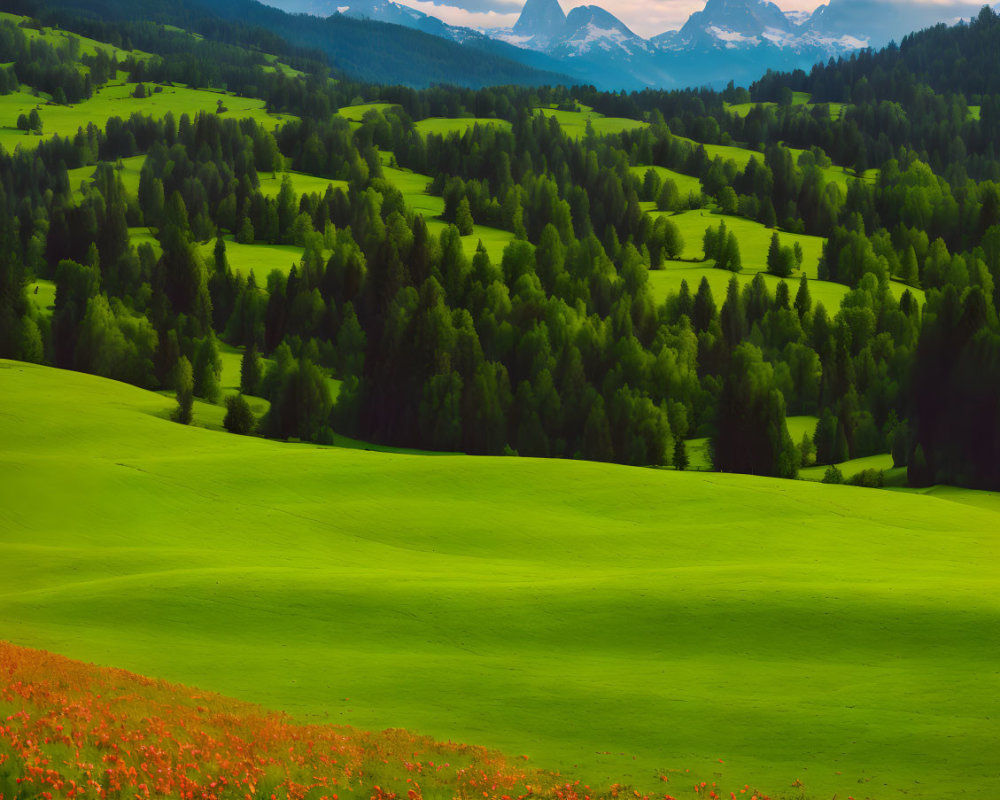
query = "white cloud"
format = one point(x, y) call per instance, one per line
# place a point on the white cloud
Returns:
point(461, 17)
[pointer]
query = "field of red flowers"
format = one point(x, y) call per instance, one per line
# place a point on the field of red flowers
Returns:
point(69, 729)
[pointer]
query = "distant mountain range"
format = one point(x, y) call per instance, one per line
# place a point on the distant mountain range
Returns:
point(734, 40)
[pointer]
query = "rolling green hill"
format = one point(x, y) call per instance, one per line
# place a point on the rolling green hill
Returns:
point(609, 621)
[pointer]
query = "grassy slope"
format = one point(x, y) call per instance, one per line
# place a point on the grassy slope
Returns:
point(413, 187)
point(754, 241)
point(355, 113)
point(88, 47)
point(577, 612)
point(262, 258)
point(442, 126)
point(43, 294)
point(686, 184)
point(575, 122)
point(116, 101)
point(270, 183)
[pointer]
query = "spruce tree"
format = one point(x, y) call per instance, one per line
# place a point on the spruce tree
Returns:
point(250, 370)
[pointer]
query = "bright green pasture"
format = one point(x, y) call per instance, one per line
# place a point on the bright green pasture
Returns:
point(413, 187)
point(797, 426)
point(442, 126)
point(612, 621)
point(270, 184)
point(116, 101)
point(138, 236)
point(686, 184)
point(741, 155)
point(798, 99)
point(842, 176)
point(956, 494)
point(355, 113)
point(131, 169)
point(129, 174)
point(43, 294)
point(754, 238)
point(664, 282)
point(262, 258)
point(850, 468)
point(574, 123)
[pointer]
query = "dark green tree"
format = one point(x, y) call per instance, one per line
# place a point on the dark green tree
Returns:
point(239, 418)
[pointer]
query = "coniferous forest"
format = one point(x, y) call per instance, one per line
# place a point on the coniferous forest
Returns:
point(555, 347)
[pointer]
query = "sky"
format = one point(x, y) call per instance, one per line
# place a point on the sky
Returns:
point(645, 17)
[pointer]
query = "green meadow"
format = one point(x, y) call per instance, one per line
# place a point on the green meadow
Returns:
point(798, 99)
point(574, 123)
point(686, 184)
point(115, 100)
point(413, 187)
point(726, 152)
point(261, 258)
point(667, 281)
point(754, 237)
point(612, 622)
point(270, 183)
point(355, 113)
point(144, 235)
point(797, 426)
point(43, 294)
point(883, 461)
point(443, 126)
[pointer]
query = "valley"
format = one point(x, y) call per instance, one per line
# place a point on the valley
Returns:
point(508, 413)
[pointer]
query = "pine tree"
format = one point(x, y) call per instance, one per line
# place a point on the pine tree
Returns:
point(803, 300)
point(250, 370)
point(184, 382)
point(774, 255)
point(681, 461)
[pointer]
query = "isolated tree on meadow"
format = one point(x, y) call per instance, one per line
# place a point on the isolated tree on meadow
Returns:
point(184, 382)
point(239, 418)
point(681, 460)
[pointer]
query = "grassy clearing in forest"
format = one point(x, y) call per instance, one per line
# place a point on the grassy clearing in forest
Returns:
point(574, 123)
point(686, 184)
point(115, 100)
point(262, 258)
point(270, 183)
point(754, 238)
point(355, 113)
point(442, 126)
point(610, 622)
point(413, 187)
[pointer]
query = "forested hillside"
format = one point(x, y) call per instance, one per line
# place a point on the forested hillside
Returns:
point(362, 49)
point(510, 269)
